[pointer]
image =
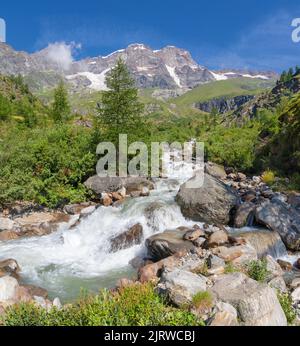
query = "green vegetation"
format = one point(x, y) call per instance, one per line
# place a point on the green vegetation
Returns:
point(280, 149)
point(233, 146)
point(46, 165)
point(203, 301)
point(227, 88)
point(286, 303)
point(268, 177)
point(120, 110)
point(17, 103)
point(287, 76)
point(61, 108)
point(58, 154)
point(136, 305)
point(230, 268)
point(257, 270)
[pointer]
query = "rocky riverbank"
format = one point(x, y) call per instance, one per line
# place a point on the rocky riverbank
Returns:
point(210, 259)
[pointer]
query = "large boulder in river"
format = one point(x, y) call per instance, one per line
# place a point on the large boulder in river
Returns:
point(112, 184)
point(168, 243)
point(211, 203)
point(127, 239)
point(256, 303)
point(283, 219)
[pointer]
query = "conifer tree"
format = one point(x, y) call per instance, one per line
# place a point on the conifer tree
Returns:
point(61, 108)
point(5, 108)
point(120, 111)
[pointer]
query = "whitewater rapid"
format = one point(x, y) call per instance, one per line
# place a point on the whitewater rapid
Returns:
point(70, 259)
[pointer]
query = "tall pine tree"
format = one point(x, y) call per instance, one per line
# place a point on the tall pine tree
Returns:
point(61, 108)
point(120, 111)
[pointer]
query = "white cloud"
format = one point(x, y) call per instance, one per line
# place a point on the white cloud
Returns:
point(61, 53)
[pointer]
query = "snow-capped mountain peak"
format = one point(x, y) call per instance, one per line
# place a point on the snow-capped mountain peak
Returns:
point(166, 68)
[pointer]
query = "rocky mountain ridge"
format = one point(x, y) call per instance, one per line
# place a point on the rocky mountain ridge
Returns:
point(167, 68)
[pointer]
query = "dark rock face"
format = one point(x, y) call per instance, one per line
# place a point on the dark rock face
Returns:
point(211, 203)
point(244, 214)
point(166, 244)
point(127, 239)
point(282, 218)
point(223, 105)
point(268, 100)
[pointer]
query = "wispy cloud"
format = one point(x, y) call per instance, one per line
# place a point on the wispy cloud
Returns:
point(61, 53)
point(266, 45)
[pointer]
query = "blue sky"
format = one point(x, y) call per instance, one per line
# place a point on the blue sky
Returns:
point(219, 34)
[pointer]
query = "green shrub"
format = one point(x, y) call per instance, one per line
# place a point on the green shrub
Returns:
point(286, 303)
point(268, 177)
point(203, 300)
point(136, 305)
point(46, 165)
point(230, 268)
point(234, 146)
point(257, 270)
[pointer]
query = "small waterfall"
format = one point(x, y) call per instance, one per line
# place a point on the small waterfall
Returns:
point(250, 220)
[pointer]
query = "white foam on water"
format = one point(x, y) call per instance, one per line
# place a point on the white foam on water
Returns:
point(72, 258)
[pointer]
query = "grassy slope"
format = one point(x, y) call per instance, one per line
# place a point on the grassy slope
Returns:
point(227, 88)
point(178, 107)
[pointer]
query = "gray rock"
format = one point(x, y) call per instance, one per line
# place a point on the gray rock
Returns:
point(273, 268)
point(57, 304)
point(278, 283)
point(166, 244)
point(87, 211)
point(218, 238)
point(6, 224)
point(9, 267)
point(296, 295)
point(244, 214)
point(265, 242)
point(283, 219)
point(216, 265)
point(199, 242)
point(225, 315)
point(127, 239)
point(215, 170)
point(295, 283)
point(8, 288)
point(238, 255)
point(224, 105)
point(181, 286)
point(194, 234)
point(113, 184)
point(256, 303)
point(211, 203)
